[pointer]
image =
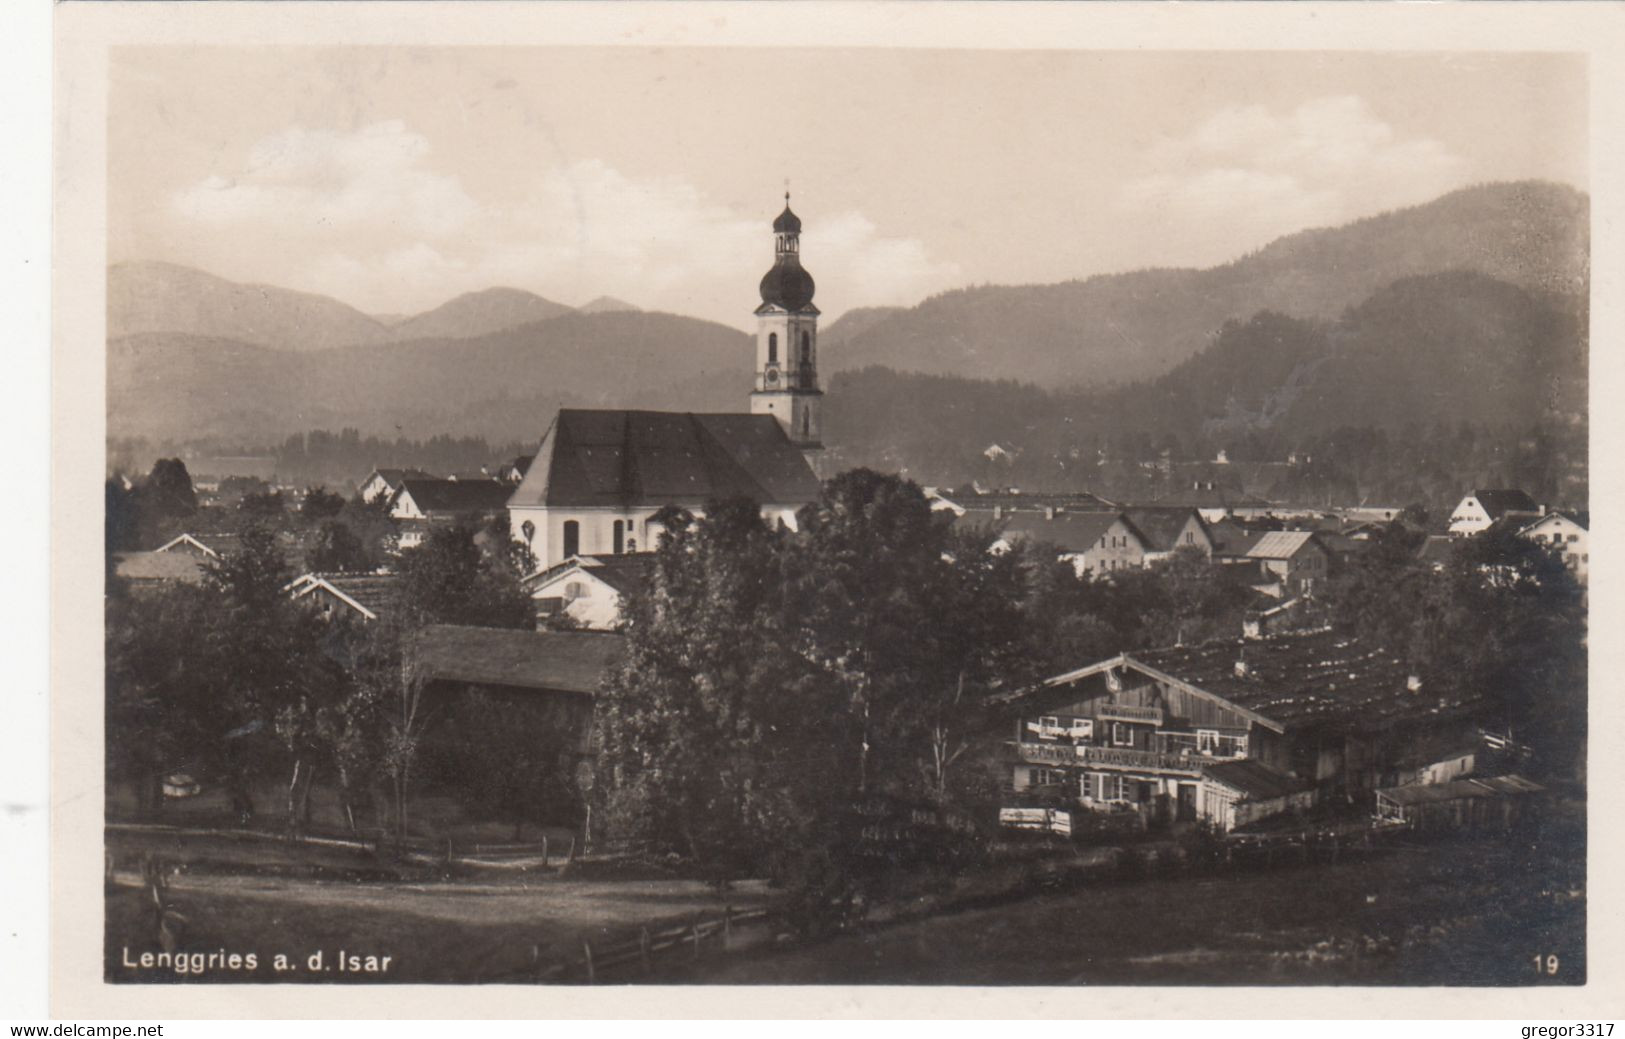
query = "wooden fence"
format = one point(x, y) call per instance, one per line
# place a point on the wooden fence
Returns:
point(639, 955)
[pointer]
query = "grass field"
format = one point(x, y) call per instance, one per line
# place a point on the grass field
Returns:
point(433, 931)
point(1459, 913)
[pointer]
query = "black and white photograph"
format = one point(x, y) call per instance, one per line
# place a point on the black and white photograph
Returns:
point(788, 515)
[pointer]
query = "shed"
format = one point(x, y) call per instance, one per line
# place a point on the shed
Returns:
point(1465, 804)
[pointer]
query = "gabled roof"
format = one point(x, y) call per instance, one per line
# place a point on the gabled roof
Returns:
point(630, 459)
point(1160, 526)
point(1492, 786)
point(1212, 497)
point(551, 661)
point(1252, 780)
point(186, 542)
point(1281, 544)
point(1017, 501)
point(1499, 502)
point(1302, 679)
point(144, 567)
point(1070, 531)
point(1579, 519)
point(623, 573)
point(476, 495)
point(369, 594)
point(393, 477)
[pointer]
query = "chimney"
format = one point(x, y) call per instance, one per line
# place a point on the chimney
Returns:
point(1241, 663)
point(998, 512)
point(1413, 683)
point(1049, 512)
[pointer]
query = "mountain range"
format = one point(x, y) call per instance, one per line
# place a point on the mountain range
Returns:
point(193, 356)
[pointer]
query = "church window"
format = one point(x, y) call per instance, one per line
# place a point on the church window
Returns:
point(572, 538)
point(806, 423)
point(806, 348)
point(772, 348)
point(618, 537)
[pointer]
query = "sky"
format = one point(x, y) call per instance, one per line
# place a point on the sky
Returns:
point(397, 178)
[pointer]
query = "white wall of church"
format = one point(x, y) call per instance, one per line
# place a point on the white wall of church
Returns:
point(595, 529)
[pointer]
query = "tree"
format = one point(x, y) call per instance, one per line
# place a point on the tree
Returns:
point(168, 488)
point(1503, 622)
point(449, 580)
point(320, 504)
point(338, 550)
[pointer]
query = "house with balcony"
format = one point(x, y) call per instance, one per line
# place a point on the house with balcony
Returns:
point(1314, 713)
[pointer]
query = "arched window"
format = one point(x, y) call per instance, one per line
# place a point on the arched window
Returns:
point(806, 423)
point(572, 538)
point(772, 348)
point(618, 537)
point(806, 348)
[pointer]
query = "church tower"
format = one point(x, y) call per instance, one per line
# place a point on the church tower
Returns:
point(787, 343)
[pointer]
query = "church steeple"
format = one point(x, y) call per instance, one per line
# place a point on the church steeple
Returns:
point(787, 341)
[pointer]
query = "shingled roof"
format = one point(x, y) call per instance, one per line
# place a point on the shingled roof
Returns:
point(1070, 531)
point(623, 573)
point(631, 459)
point(550, 661)
point(1302, 679)
point(1497, 502)
point(1160, 526)
point(477, 495)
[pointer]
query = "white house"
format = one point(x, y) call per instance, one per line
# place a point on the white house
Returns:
point(383, 483)
point(1567, 532)
point(1481, 508)
point(589, 589)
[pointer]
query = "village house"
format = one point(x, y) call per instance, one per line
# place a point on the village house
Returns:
point(381, 484)
point(599, 478)
point(1319, 712)
point(589, 590)
point(420, 504)
point(1092, 542)
point(1478, 510)
point(360, 598)
point(1167, 530)
point(1568, 533)
point(1289, 562)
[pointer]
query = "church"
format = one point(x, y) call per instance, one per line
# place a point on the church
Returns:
point(600, 476)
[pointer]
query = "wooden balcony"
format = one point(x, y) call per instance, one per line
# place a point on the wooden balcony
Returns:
point(1125, 712)
point(1110, 757)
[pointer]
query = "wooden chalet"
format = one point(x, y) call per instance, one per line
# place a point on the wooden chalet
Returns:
point(1321, 712)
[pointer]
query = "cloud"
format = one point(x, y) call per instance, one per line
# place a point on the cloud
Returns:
point(1249, 174)
point(371, 177)
point(362, 216)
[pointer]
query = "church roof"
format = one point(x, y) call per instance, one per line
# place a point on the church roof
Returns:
point(633, 459)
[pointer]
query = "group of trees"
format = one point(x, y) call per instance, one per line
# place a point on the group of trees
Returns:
point(234, 684)
point(341, 535)
point(774, 679)
point(1504, 619)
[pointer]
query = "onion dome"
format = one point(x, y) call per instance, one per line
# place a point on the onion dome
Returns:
point(788, 284)
point(787, 222)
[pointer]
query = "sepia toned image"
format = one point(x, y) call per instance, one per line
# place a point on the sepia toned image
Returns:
point(786, 515)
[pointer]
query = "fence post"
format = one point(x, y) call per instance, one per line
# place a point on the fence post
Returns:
point(727, 926)
point(544, 849)
point(448, 851)
point(586, 948)
point(694, 931)
point(643, 949)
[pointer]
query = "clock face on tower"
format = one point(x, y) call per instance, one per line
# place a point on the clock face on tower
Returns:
point(772, 376)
